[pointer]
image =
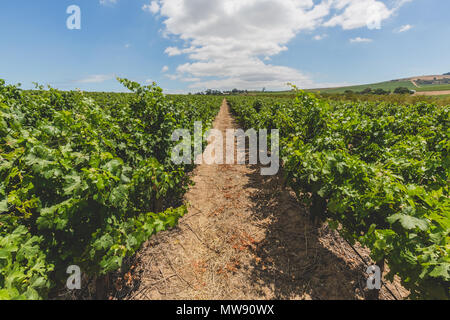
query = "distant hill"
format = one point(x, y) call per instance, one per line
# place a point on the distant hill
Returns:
point(423, 85)
point(387, 85)
point(419, 84)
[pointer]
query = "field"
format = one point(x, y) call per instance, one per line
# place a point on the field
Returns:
point(87, 179)
point(388, 85)
point(86, 184)
point(363, 166)
point(444, 87)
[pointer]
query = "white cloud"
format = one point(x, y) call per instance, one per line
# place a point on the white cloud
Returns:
point(153, 7)
point(191, 79)
point(320, 37)
point(248, 74)
point(404, 28)
point(229, 42)
point(165, 69)
point(174, 51)
point(127, 45)
point(96, 78)
point(358, 14)
point(399, 3)
point(359, 40)
point(107, 2)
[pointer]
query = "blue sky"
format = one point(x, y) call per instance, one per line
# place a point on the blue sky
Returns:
point(190, 45)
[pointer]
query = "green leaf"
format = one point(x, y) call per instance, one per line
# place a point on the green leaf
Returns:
point(3, 206)
point(409, 222)
point(441, 271)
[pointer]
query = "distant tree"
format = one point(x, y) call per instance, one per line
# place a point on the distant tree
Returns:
point(402, 90)
point(349, 92)
point(447, 74)
point(381, 92)
point(236, 91)
point(367, 91)
point(211, 92)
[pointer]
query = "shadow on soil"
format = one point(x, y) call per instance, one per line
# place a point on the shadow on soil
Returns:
point(297, 263)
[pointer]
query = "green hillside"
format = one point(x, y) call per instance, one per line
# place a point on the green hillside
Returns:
point(388, 85)
point(438, 87)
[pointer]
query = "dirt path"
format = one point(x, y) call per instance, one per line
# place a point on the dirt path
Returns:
point(432, 93)
point(414, 83)
point(246, 237)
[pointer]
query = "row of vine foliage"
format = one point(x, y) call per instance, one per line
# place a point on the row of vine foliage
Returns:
point(379, 172)
point(86, 183)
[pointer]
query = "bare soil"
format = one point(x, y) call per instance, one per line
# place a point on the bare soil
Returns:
point(414, 83)
point(432, 93)
point(245, 237)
